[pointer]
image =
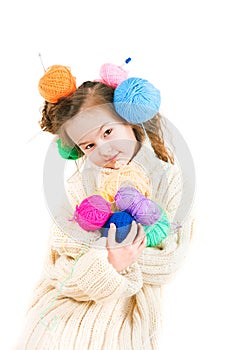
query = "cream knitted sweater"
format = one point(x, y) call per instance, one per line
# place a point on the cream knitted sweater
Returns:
point(81, 302)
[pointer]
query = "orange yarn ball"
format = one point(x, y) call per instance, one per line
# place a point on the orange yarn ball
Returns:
point(57, 82)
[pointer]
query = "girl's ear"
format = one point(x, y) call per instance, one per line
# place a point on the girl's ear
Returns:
point(68, 152)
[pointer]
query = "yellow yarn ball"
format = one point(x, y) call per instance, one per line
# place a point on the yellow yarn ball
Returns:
point(131, 175)
point(106, 196)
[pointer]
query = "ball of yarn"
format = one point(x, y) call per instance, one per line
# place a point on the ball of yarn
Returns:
point(112, 75)
point(130, 175)
point(67, 152)
point(143, 209)
point(127, 197)
point(157, 232)
point(92, 213)
point(136, 100)
point(106, 196)
point(57, 82)
point(123, 222)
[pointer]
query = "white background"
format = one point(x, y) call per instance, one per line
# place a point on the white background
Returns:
point(190, 50)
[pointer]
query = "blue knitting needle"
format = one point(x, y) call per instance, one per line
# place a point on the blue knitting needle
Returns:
point(126, 61)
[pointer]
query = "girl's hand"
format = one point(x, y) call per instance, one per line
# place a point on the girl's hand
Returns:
point(121, 255)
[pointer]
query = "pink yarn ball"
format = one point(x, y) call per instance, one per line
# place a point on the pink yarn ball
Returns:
point(92, 213)
point(112, 75)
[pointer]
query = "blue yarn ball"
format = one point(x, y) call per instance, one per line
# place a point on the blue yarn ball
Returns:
point(123, 222)
point(136, 100)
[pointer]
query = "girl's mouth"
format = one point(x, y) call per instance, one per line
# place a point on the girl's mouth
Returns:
point(112, 159)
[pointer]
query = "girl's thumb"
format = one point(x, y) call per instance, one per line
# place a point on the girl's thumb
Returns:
point(111, 236)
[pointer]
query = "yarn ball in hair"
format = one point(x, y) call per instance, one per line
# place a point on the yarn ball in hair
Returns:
point(92, 213)
point(130, 175)
point(112, 74)
point(67, 152)
point(122, 221)
point(136, 100)
point(57, 82)
point(143, 209)
point(157, 232)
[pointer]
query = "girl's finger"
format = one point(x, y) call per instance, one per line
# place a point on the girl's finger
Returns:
point(111, 238)
point(131, 234)
point(140, 234)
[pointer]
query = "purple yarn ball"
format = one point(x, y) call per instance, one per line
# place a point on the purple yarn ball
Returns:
point(143, 209)
point(126, 197)
point(146, 212)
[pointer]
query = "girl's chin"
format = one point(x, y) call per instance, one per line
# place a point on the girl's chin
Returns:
point(117, 164)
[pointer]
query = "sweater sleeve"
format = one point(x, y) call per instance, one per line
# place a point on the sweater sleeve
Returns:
point(89, 276)
point(159, 264)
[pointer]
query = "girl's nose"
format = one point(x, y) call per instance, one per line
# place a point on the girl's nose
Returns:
point(105, 149)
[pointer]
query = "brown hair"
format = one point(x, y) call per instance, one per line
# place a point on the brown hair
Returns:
point(90, 94)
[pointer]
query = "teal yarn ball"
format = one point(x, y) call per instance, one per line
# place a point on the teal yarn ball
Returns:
point(122, 221)
point(136, 100)
point(67, 152)
point(157, 232)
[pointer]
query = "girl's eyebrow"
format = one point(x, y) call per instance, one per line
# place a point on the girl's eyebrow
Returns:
point(85, 142)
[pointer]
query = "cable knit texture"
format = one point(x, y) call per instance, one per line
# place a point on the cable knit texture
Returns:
point(81, 302)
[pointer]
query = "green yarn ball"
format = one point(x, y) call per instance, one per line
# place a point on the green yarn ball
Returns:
point(67, 152)
point(157, 232)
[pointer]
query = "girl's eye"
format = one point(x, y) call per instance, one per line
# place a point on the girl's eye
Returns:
point(107, 132)
point(89, 146)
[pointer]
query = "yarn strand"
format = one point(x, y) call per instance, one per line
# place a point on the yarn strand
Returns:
point(40, 57)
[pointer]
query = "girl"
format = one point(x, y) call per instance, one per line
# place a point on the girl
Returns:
point(95, 293)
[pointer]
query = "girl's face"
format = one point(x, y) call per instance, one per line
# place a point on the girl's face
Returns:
point(103, 136)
